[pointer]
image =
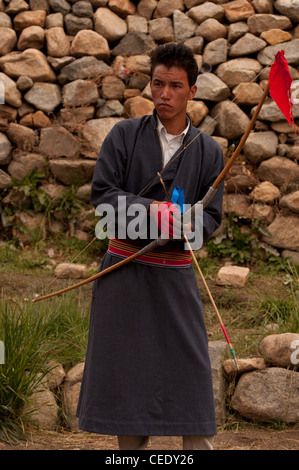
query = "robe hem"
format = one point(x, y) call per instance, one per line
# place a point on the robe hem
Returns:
point(147, 429)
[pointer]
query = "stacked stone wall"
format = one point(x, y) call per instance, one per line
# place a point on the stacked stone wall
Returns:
point(71, 69)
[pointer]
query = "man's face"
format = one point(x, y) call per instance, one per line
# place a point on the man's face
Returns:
point(171, 92)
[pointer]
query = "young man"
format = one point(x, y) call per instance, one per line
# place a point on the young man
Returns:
point(147, 369)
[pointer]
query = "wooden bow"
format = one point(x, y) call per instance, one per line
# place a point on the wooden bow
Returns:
point(199, 205)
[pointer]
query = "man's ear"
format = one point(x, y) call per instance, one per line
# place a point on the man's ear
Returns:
point(192, 92)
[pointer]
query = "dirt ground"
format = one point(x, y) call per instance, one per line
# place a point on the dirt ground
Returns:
point(247, 438)
point(251, 439)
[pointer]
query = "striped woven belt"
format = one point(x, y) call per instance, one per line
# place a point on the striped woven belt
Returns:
point(165, 259)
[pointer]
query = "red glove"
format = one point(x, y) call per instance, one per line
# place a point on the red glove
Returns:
point(164, 218)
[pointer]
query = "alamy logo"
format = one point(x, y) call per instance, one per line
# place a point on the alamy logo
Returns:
point(131, 221)
point(2, 353)
point(295, 91)
point(2, 93)
point(295, 354)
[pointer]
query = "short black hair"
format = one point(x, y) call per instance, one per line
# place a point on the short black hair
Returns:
point(175, 55)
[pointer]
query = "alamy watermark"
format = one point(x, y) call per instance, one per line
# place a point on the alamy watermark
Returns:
point(295, 91)
point(2, 353)
point(131, 221)
point(295, 354)
point(2, 93)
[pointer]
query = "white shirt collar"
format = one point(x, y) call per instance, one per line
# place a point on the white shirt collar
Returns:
point(162, 128)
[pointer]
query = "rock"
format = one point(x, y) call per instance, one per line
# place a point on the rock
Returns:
point(269, 395)
point(94, 133)
point(263, 6)
point(284, 232)
point(82, 8)
point(210, 87)
point(54, 20)
point(16, 6)
point(85, 67)
point(265, 192)
point(263, 212)
point(138, 106)
point(197, 111)
point(31, 37)
point(238, 10)
point(80, 92)
point(58, 142)
point(8, 40)
point(5, 180)
point(44, 96)
point(266, 56)
point(293, 255)
point(70, 271)
point(72, 171)
point(207, 10)
point(207, 125)
point(279, 171)
point(167, 7)
point(236, 30)
point(29, 18)
point(109, 25)
point(112, 88)
point(43, 409)
point(236, 203)
point(137, 23)
point(239, 178)
point(247, 94)
point(237, 71)
point(22, 137)
point(183, 26)
point(291, 201)
point(31, 63)
point(247, 45)
point(24, 83)
point(5, 149)
point(36, 120)
point(231, 120)
point(90, 43)
point(110, 108)
point(83, 193)
point(289, 8)
point(24, 164)
point(215, 52)
point(71, 391)
point(61, 6)
point(161, 29)
point(74, 24)
point(260, 146)
point(245, 365)
point(134, 43)
point(55, 376)
point(276, 36)
point(270, 111)
point(278, 349)
point(146, 8)
point(217, 350)
point(58, 44)
point(232, 276)
point(211, 29)
point(5, 21)
point(263, 22)
point(122, 8)
point(12, 95)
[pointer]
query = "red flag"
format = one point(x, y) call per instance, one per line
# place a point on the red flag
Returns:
point(280, 82)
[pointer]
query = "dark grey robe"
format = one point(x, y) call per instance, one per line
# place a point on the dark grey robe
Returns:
point(147, 369)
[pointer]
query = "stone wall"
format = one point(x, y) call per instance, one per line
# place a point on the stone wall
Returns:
point(72, 69)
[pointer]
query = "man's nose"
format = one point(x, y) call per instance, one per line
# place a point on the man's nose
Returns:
point(166, 92)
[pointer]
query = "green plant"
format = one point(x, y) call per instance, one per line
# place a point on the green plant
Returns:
point(30, 187)
point(23, 333)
